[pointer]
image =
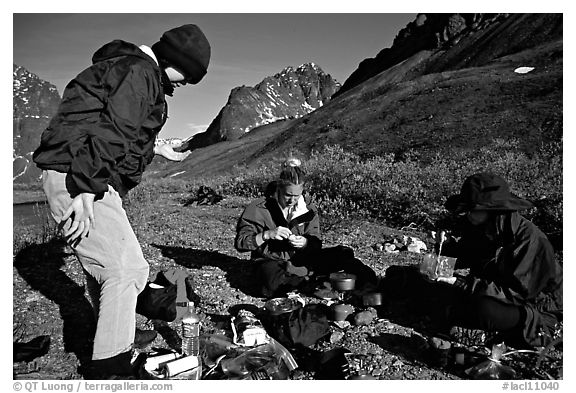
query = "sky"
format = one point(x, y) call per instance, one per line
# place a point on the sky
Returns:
point(246, 48)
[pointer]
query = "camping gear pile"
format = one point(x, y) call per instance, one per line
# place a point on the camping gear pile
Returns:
point(257, 342)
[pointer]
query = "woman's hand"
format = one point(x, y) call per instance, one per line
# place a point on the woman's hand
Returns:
point(278, 233)
point(168, 152)
point(81, 210)
point(297, 241)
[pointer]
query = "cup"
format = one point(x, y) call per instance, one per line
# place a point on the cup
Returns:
point(341, 311)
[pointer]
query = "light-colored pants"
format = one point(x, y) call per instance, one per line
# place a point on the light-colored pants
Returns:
point(116, 271)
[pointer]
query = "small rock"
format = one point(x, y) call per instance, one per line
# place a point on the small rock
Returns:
point(388, 247)
point(373, 311)
point(438, 343)
point(34, 297)
point(416, 245)
point(523, 70)
point(398, 363)
point(336, 336)
point(342, 324)
point(363, 318)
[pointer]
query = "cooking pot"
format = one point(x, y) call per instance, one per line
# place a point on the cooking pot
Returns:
point(343, 281)
point(341, 311)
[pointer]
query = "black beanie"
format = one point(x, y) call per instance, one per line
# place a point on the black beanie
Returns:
point(187, 49)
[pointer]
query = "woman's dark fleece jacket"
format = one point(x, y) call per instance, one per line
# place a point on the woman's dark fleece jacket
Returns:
point(107, 122)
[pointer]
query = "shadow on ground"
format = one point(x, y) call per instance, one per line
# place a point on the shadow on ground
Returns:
point(405, 347)
point(239, 272)
point(39, 265)
point(415, 350)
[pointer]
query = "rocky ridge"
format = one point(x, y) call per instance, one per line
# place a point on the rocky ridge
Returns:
point(291, 93)
point(488, 37)
point(34, 103)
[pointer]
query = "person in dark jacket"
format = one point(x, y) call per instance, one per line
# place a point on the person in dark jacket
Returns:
point(513, 290)
point(94, 150)
point(282, 232)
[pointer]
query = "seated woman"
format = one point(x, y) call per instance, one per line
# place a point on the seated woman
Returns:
point(513, 291)
point(282, 232)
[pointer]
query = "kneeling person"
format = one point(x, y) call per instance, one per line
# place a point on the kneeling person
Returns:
point(282, 232)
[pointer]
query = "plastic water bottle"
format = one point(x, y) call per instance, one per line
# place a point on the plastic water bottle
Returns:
point(190, 332)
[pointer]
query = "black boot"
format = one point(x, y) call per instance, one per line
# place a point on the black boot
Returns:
point(28, 351)
point(116, 367)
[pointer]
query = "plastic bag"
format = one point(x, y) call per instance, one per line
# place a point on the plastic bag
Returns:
point(434, 266)
point(261, 362)
point(492, 368)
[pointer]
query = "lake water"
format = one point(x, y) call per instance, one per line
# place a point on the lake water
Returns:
point(30, 214)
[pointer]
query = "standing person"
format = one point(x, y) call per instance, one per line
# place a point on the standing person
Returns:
point(282, 232)
point(513, 290)
point(94, 151)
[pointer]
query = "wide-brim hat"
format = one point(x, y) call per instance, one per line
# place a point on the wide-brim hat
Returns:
point(187, 49)
point(486, 191)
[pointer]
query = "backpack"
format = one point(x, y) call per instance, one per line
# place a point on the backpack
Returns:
point(165, 297)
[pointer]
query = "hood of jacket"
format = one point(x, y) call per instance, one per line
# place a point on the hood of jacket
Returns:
point(119, 48)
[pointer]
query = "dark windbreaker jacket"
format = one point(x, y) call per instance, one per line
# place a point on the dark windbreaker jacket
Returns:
point(265, 213)
point(107, 122)
point(514, 262)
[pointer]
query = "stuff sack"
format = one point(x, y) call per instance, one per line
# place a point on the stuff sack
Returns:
point(304, 326)
point(157, 302)
point(165, 297)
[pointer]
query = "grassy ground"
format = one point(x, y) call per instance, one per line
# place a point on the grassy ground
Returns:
point(50, 299)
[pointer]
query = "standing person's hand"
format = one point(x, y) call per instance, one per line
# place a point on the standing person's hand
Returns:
point(81, 211)
point(278, 233)
point(168, 152)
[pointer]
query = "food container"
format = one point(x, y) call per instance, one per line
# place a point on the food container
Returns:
point(175, 367)
point(248, 330)
point(155, 363)
point(281, 305)
point(343, 281)
point(168, 367)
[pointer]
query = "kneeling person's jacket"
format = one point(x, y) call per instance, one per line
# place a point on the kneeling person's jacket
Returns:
point(264, 214)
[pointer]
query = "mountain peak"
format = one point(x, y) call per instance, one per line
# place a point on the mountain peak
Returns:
point(34, 103)
point(291, 93)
